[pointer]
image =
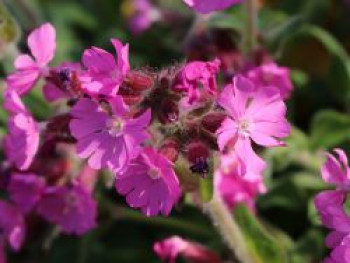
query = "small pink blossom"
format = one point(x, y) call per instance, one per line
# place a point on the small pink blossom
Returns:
point(105, 74)
point(271, 75)
point(330, 206)
point(22, 140)
point(143, 15)
point(12, 228)
point(71, 207)
point(26, 190)
point(149, 183)
point(195, 75)
point(207, 6)
point(237, 183)
point(108, 141)
point(42, 44)
point(170, 248)
point(253, 115)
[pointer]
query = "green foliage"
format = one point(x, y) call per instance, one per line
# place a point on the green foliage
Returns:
point(263, 246)
point(329, 129)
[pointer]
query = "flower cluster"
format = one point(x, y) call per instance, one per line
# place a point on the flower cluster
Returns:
point(153, 131)
point(330, 206)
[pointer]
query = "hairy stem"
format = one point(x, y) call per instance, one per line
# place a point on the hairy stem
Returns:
point(228, 228)
point(251, 30)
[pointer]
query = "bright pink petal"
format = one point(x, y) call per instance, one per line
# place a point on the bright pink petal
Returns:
point(42, 43)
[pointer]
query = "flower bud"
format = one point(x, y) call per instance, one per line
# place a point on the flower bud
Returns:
point(170, 149)
point(169, 112)
point(198, 154)
point(138, 81)
point(130, 96)
point(212, 121)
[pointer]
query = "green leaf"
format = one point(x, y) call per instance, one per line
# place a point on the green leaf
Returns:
point(9, 30)
point(339, 71)
point(260, 243)
point(329, 129)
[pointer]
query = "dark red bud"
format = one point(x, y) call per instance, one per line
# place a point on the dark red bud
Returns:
point(212, 121)
point(130, 96)
point(58, 129)
point(197, 150)
point(169, 112)
point(138, 81)
point(170, 149)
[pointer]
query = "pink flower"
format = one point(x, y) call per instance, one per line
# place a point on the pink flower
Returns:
point(142, 16)
point(26, 190)
point(169, 249)
point(198, 74)
point(42, 44)
point(335, 171)
point(341, 253)
point(12, 228)
point(271, 75)
point(22, 140)
point(71, 207)
point(253, 115)
point(105, 73)
point(207, 6)
point(237, 183)
point(149, 183)
point(330, 206)
point(107, 140)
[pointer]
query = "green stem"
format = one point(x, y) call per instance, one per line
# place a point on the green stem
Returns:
point(228, 228)
point(123, 213)
point(251, 31)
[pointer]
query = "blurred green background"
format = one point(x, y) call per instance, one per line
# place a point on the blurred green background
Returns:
point(312, 37)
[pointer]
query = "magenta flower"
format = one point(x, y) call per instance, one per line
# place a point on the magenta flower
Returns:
point(42, 45)
point(271, 75)
point(170, 248)
point(195, 75)
point(71, 207)
point(254, 114)
point(237, 183)
point(22, 140)
point(341, 253)
point(143, 15)
point(108, 141)
point(105, 73)
point(330, 205)
point(26, 190)
point(12, 228)
point(149, 183)
point(207, 6)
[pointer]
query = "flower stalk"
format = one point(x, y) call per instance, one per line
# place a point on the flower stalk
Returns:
point(251, 29)
point(228, 228)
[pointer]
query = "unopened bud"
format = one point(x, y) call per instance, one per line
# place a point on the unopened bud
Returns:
point(169, 112)
point(138, 81)
point(170, 149)
point(212, 121)
point(198, 154)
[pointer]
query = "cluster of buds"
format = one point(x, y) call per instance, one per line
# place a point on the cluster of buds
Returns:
point(156, 132)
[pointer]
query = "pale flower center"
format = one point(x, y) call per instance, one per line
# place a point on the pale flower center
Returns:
point(115, 126)
point(245, 127)
point(154, 173)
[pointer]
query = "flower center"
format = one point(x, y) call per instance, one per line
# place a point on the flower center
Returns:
point(154, 173)
point(115, 126)
point(245, 127)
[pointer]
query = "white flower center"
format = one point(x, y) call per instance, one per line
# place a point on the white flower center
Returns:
point(115, 126)
point(245, 127)
point(154, 173)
